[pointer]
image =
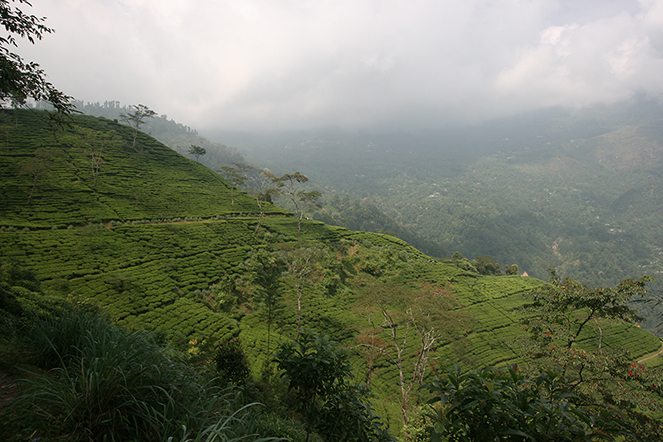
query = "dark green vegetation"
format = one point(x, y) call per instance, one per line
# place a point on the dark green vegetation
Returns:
point(21, 80)
point(581, 191)
point(156, 241)
point(318, 372)
point(502, 404)
point(93, 380)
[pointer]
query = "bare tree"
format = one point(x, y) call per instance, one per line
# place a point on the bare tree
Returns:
point(261, 186)
point(300, 264)
point(236, 175)
point(95, 142)
point(413, 321)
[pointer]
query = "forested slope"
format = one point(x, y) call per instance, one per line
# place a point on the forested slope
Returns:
point(579, 190)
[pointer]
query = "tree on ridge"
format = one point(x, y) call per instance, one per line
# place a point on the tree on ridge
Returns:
point(291, 185)
point(196, 151)
point(136, 119)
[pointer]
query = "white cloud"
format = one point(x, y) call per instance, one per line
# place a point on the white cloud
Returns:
point(249, 64)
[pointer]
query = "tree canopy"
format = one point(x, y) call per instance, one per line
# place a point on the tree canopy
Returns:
point(137, 118)
point(21, 80)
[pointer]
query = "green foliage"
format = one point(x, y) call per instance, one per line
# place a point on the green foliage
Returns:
point(105, 382)
point(178, 256)
point(20, 80)
point(292, 186)
point(136, 119)
point(366, 216)
point(130, 186)
point(567, 322)
point(317, 371)
point(235, 175)
point(172, 134)
point(265, 271)
point(231, 363)
point(13, 276)
point(575, 189)
point(242, 425)
point(196, 151)
point(562, 309)
point(501, 404)
point(463, 263)
point(486, 265)
point(38, 166)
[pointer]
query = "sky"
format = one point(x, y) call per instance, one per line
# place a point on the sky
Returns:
point(260, 65)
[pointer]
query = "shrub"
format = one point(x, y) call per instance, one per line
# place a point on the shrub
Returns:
point(317, 370)
point(231, 363)
point(501, 404)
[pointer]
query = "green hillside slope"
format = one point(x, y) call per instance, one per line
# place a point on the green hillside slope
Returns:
point(157, 244)
point(578, 190)
point(146, 182)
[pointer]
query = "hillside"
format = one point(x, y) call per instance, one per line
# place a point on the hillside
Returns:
point(157, 244)
point(579, 190)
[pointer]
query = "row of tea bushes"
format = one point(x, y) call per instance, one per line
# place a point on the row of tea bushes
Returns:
point(149, 182)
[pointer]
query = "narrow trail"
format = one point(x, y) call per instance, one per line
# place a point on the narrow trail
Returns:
point(651, 357)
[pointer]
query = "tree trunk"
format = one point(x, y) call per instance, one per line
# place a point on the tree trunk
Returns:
point(299, 311)
point(259, 221)
point(32, 191)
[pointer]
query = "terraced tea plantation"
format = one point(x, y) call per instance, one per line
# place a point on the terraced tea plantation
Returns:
point(157, 243)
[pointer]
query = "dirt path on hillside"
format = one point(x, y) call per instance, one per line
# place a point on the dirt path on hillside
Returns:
point(650, 357)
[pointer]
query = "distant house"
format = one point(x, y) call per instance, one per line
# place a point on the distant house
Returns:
point(524, 274)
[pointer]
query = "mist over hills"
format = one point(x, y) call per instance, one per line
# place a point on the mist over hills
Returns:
point(578, 189)
point(154, 240)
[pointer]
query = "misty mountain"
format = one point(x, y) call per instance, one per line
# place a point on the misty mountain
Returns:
point(580, 190)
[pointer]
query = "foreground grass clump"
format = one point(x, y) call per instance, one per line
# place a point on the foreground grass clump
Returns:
point(101, 382)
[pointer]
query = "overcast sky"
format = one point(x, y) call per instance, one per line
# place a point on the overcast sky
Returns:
point(292, 64)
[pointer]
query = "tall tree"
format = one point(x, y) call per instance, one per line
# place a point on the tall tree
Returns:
point(196, 151)
point(235, 175)
point(136, 119)
point(317, 370)
point(94, 143)
point(292, 186)
point(20, 80)
point(486, 265)
point(564, 316)
point(265, 270)
point(261, 186)
point(501, 404)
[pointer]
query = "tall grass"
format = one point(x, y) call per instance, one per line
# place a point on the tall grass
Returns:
point(102, 382)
